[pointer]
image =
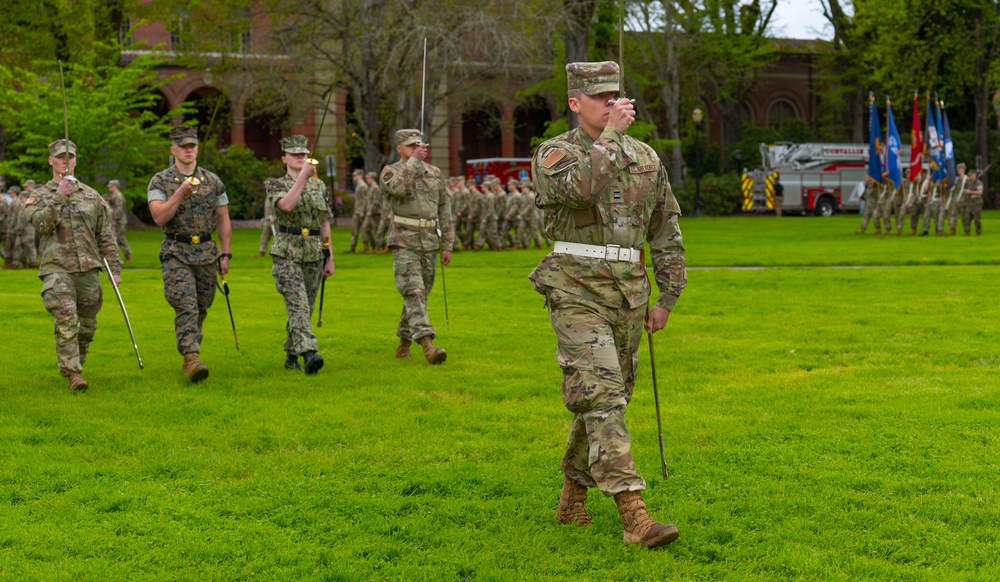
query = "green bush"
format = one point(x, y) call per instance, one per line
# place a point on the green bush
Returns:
point(720, 195)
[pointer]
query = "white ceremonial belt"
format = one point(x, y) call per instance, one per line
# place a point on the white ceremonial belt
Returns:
point(418, 222)
point(608, 253)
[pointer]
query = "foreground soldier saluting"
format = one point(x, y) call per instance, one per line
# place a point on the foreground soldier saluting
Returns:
point(301, 249)
point(604, 192)
point(76, 232)
point(189, 202)
point(421, 210)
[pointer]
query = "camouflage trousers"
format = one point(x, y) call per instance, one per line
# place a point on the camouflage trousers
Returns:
point(973, 214)
point(469, 236)
point(956, 209)
point(123, 242)
point(190, 290)
point(368, 228)
point(21, 246)
point(933, 212)
point(298, 283)
point(73, 299)
point(871, 212)
point(265, 235)
point(489, 232)
point(356, 222)
point(887, 210)
point(598, 353)
point(414, 272)
point(915, 210)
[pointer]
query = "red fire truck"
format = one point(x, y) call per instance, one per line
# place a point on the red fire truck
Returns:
point(819, 178)
point(504, 168)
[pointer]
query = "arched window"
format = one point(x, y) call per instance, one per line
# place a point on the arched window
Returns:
point(781, 111)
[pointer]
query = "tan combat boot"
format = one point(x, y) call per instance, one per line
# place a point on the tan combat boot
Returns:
point(76, 383)
point(403, 350)
point(571, 509)
point(878, 230)
point(194, 369)
point(639, 527)
point(365, 250)
point(951, 232)
point(433, 354)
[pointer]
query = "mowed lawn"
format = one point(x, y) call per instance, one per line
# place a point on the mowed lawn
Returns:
point(830, 411)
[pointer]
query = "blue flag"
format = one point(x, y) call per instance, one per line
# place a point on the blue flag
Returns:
point(935, 144)
point(949, 149)
point(893, 165)
point(874, 142)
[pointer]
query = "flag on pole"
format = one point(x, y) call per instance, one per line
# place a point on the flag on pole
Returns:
point(916, 143)
point(893, 165)
point(874, 142)
point(934, 141)
point(949, 149)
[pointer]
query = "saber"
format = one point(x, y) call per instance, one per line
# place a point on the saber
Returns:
point(423, 90)
point(444, 287)
point(319, 132)
point(118, 294)
point(621, 54)
point(224, 289)
point(652, 365)
point(67, 175)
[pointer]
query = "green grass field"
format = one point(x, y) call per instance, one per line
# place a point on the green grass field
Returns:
point(820, 423)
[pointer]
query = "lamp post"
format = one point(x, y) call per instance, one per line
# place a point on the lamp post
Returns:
point(696, 116)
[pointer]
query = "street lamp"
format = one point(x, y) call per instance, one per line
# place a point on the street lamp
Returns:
point(696, 116)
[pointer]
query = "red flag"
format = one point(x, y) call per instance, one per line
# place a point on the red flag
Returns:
point(916, 144)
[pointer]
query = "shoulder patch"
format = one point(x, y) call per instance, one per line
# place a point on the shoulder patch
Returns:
point(29, 201)
point(553, 158)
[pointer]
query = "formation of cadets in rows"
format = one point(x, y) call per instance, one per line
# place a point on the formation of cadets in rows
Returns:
point(486, 215)
point(924, 202)
point(18, 238)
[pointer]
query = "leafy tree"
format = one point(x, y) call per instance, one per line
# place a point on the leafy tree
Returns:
point(109, 109)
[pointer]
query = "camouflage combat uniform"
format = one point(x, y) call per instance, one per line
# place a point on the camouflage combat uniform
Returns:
point(360, 208)
point(415, 190)
point(76, 233)
point(613, 191)
point(973, 206)
point(189, 268)
point(933, 210)
point(116, 202)
point(298, 257)
point(957, 207)
point(871, 198)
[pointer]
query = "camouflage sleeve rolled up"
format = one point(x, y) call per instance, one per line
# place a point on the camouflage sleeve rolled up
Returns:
point(572, 174)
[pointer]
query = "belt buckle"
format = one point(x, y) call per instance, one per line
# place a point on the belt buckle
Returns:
point(195, 239)
point(305, 232)
point(617, 251)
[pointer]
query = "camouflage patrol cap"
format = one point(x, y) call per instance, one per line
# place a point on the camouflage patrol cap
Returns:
point(593, 78)
point(358, 172)
point(184, 135)
point(14, 189)
point(59, 147)
point(960, 166)
point(113, 184)
point(295, 144)
point(408, 137)
point(470, 181)
point(29, 183)
point(371, 175)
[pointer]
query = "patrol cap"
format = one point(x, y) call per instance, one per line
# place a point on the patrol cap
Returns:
point(14, 189)
point(960, 166)
point(29, 183)
point(371, 175)
point(408, 137)
point(593, 78)
point(295, 144)
point(184, 135)
point(358, 172)
point(59, 147)
point(113, 184)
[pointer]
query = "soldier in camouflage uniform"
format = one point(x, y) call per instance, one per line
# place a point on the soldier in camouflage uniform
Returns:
point(267, 228)
point(374, 204)
point(512, 214)
point(472, 208)
point(383, 218)
point(421, 225)
point(488, 217)
point(932, 210)
point(76, 231)
point(25, 249)
point(358, 216)
point(7, 225)
point(189, 203)
point(871, 198)
point(973, 204)
point(915, 201)
point(956, 207)
point(606, 192)
point(301, 249)
point(116, 203)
